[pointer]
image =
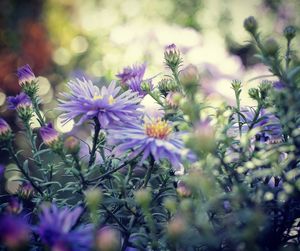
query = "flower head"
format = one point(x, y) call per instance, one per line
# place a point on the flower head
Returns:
point(5, 130)
point(153, 137)
point(49, 135)
point(18, 102)
point(86, 101)
point(132, 78)
point(22, 104)
point(14, 231)
point(25, 75)
point(25, 190)
point(57, 229)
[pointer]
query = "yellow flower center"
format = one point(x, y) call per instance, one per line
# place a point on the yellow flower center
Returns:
point(97, 97)
point(158, 129)
point(111, 99)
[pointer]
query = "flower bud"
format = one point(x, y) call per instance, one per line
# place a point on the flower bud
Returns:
point(143, 197)
point(108, 239)
point(183, 190)
point(93, 198)
point(176, 227)
point(50, 136)
point(203, 137)
point(271, 47)
point(253, 93)
point(22, 104)
point(25, 191)
point(27, 80)
point(189, 79)
point(167, 85)
point(72, 145)
point(173, 99)
point(250, 24)
point(5, 131)
point(289, 32)
point(172, 56)
point(14, 206)
point(170, 204)
point(146, 86)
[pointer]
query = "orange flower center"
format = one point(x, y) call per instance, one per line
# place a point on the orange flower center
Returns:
point(158, 129)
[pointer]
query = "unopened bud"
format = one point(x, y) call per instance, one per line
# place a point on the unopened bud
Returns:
point(26, 191)
point(146, 87)
point(72, 145)
point(173, 99)
point(176, 227)
point(93, 198)
point(189, 78)
point(143, 197)
point(183, 190)
point(108, 239)
point(289, 32)
point(172, 56)
point(203, 137)
point(250, 24)
point(5, 131)
point(271, 47)
point(167, 85)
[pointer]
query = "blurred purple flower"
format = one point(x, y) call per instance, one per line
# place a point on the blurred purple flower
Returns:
point(86, 101)
point(155, 138)
point(25, 74)
point(14, 231)
point(270, 129)
point(132, 77)
point(58, 229)
point(278, 85)
point(49, 134)
point(19, 101)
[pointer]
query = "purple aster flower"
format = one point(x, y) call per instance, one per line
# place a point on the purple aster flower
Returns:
point(86, 101)
point(25, 75)
point(18, 102)
point(49, 134)
point(132, 77)
point(154, 138)
point(58, 229)
point(269, 124)
point(14, 231)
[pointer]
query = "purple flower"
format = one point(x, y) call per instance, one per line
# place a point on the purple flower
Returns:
point(86, 101)
point(155, 138)
point(25, 75)
point(5, 130)
point(14, 231)
point(132, 77)
point(172, 56)
point(279, 86)
point(270, 129)
point(21, 101)
point(58, 229)
point(49, 134)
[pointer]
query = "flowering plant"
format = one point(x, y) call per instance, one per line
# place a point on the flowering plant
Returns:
point(195, 178)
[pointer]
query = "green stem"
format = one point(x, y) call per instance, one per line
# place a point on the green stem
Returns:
point(35, 103)
point(26, 175)
point(149, 172)
point(95, 142)
point(288, 55)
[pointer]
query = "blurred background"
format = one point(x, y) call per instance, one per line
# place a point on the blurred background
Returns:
point(64, 39)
